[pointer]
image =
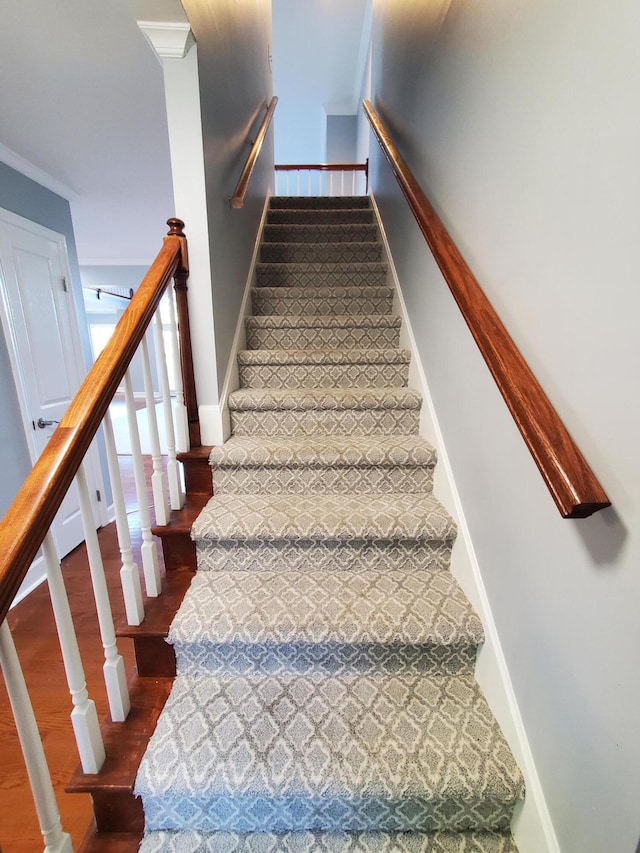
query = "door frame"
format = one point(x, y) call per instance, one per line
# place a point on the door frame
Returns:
point(93, 467)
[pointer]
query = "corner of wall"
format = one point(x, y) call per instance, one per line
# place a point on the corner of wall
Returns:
point(532, 827)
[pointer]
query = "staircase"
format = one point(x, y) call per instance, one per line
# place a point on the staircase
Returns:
point(325, 697)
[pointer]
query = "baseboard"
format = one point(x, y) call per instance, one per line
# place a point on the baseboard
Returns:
point(532, 827)
point(212, 430)
point(35, 576)
point(231, 379)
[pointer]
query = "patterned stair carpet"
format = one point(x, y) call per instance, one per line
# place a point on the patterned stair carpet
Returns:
point(325, 698)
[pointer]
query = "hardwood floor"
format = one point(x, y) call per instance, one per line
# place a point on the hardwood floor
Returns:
point(35, 637)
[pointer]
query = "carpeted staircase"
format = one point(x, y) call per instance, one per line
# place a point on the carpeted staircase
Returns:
point(325, 697)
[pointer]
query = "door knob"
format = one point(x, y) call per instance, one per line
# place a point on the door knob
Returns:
point(43, 424)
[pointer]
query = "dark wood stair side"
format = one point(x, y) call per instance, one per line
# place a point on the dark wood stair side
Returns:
point(154, 656)
point(197, 471)
point(177, 548)
point(110, 842)
point(115, 807)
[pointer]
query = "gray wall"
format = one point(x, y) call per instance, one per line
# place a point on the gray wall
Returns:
point(26, 198)
point(517, 119)
point(342, 139)
point(235, 88)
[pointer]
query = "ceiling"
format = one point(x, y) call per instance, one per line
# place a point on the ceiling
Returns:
point(82, 105)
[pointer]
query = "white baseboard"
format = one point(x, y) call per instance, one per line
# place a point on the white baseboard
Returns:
point(532, 827)
point(231, 380)
point(34, 577)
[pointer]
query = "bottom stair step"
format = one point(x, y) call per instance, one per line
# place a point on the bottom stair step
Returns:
point(338, 753)
point(321, 842)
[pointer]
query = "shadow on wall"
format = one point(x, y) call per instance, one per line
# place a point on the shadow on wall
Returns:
point(604, 535)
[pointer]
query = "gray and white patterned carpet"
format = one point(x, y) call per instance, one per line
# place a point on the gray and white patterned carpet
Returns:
point(325, 698)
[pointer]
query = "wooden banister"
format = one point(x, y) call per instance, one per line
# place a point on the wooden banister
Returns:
point(29, 517)
point(573, 485)
point(240, 192)
point(321, 167)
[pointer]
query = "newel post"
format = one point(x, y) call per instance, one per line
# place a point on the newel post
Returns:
point(176, 229)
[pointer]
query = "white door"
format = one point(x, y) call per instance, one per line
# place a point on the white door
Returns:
point(40, 325)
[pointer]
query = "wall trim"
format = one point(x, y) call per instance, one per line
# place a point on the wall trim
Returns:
point(169, 40)
point(532, 826)
point(231, 380)
point(35, 173)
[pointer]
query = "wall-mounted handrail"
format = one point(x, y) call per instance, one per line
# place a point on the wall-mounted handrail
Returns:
point(26, 522)
point(573, 485)
point(240, 192)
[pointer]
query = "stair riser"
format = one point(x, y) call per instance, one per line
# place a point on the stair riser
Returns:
point(282, 301)
point(323, 555)
point(324, 376)
point(330, 814)
point(329, 422)
point(363, 842)
point(384, 337)
point(355, 216)
point(321, 275)
point(333, 253)
point(340, 481)
point(360, 233)
point(294, 202)
point(247, 659)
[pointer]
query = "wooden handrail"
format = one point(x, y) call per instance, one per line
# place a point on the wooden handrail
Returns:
point(573, 485)
point(238, 197)
point(29, 517)
point(321, 167)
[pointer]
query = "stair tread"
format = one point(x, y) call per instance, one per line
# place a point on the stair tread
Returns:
point(284, 275)
point(388, 608)
point(339, 518)
point(305, 399)
point(293, 232)
point(323, 321)
point(356, 251)
point(190, 841)
point(323, 450)
point(126, 742)
point(160, 610)
point(294, 202)
point(329, 356)
point(397, 751)
point(345, 215)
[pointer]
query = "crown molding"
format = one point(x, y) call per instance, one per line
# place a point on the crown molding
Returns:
point(35, 173)
point(168, 40)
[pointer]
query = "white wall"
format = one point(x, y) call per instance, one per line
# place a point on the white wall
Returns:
point(317, 47)
point(521, 123)
point(342, 139)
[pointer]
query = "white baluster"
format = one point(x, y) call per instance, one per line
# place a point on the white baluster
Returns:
point(176, 493)
point(298, 182)
point(331, 183)
point(309, 182)
point(353, 182)
point(129, 577)
point(148, 550)
point(114, 675)
point(180, 410)
point(56, 841)
point(342, 182)
point(158, 481)
point(84, 717)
